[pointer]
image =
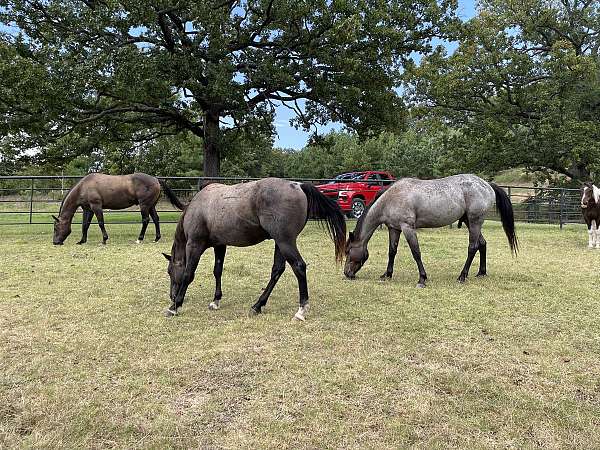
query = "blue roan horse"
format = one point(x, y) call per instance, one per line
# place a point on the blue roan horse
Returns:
point(410, 204)
point(246, 214)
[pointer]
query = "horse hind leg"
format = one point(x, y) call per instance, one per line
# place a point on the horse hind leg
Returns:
point(474, 241)
point(276, 272)
point(145, 220)
point(156, 220)
point(482, 257)
point(218, 272)
point(294, 259)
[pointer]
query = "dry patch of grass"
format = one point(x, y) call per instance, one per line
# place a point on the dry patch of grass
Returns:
point(88, 360)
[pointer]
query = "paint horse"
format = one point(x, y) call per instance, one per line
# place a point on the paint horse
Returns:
point(590, 208)
point(97, 191)
point(410, 204)
point(245, 214)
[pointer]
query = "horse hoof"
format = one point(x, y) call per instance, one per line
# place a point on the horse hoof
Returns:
point(461, 280)
point(170, 313)
point(157, 239)
point(138, 241)
point(420, 285)
point(213, 306)
point(385, 277)
point(300, 315)
point(480, 275)
point(81, 242)
point(253, 312)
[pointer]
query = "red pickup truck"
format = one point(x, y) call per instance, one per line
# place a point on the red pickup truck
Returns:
point(354, 191)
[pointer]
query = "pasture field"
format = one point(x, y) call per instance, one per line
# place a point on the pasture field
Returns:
point(509, 361)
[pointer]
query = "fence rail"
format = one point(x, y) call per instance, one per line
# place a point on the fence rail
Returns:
point(26, 200)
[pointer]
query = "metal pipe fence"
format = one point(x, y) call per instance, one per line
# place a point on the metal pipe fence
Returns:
point(28, 200)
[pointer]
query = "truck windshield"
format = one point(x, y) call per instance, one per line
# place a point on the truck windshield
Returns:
point(347, 177)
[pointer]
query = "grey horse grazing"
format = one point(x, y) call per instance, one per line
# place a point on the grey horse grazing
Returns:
point(590, 208)
point(246, 214)
point(97, 191)
point(410, 203)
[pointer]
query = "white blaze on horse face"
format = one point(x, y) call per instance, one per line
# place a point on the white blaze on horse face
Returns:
point(583, 196)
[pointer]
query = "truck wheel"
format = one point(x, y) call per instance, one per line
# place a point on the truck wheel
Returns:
point(358, 207)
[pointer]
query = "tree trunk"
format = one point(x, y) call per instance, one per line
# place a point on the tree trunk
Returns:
point(212, 157)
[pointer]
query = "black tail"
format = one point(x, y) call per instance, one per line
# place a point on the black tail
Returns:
point(327, 211)
point(171, 196)
point(505, 208)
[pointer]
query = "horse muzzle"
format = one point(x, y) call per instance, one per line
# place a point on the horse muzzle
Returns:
point(57, 243)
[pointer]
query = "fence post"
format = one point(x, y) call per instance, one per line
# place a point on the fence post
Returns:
point(562, 207)
point(31, 202)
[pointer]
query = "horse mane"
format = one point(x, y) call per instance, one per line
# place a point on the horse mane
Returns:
point(179, 240)
point(361, 219)
point(62, 202)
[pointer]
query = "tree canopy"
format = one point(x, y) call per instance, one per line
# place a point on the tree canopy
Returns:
point(134, 71)
point(522, 89)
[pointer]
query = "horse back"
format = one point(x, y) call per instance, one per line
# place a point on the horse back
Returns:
point(247, 213)
point(119, 191)
point(435, 203)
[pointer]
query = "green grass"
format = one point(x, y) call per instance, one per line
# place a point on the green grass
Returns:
point(88, 360)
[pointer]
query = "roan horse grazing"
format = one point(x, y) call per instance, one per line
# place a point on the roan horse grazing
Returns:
point(97, 191)
point(409, 204)
point(590, 208)
point(246, 214)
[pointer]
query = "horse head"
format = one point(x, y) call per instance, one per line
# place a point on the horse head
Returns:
point(590, 196)
point(62, 229)
point(175, 270)
point(356, 255)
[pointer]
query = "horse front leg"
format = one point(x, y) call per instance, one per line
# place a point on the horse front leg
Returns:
point(276, 272)
point(218, 272)
point(85, 225)
point(97, 209)
point(411, 237)
point(394, 236)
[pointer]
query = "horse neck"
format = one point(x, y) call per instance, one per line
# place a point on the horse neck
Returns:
point(70, 205)
point(370, 223)
point(179, 241)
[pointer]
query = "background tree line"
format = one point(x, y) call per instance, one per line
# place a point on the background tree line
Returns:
point(189, 89)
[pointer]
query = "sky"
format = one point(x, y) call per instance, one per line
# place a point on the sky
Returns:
point(288, 137)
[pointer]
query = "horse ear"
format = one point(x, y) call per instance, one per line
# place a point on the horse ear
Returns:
point(167, 257)
point(55, 218)
point(351, 236)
